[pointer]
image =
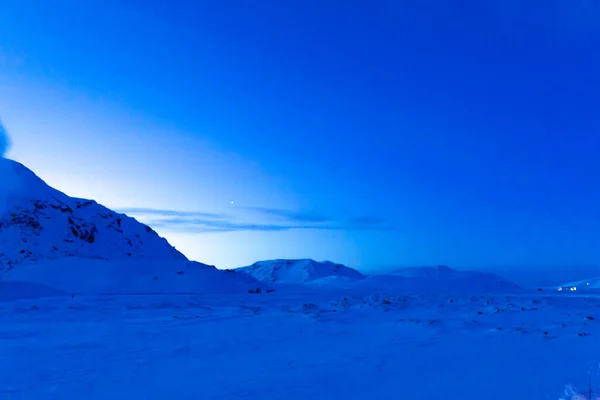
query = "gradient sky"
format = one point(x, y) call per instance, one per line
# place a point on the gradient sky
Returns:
point(374, 134)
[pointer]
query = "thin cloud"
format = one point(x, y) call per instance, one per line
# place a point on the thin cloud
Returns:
point(292, 216)
point(209, 225)
point(168, 213)
point(201, 222)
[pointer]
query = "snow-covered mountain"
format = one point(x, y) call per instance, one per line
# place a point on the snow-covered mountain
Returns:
point(53, 244)
point(440, 271)
point(38, 222)
point(301, 271)
point(439, 279)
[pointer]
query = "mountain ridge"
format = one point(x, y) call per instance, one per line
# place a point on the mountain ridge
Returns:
point(39, 222)
point(299, 271)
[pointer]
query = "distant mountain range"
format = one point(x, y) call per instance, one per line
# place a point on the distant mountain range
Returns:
point(404, 280)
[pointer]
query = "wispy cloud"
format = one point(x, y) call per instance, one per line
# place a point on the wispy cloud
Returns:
point(295, 216)
point(209, 225)
point(272, 220)
point(162, 213)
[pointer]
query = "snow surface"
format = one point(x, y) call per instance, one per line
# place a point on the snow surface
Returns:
point(279, 345)
point(13, 289)
point(38, 222)
point(300, 271)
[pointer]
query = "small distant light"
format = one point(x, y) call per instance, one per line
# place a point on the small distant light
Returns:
point(560, 289)
point(588, 283)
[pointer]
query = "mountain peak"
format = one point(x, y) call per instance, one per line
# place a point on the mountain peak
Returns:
point(18, 181)
point(39, 222)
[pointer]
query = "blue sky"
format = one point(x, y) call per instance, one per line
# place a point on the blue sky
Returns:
point(375, 134)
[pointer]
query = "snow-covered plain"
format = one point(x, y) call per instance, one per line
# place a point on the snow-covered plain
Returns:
point(95, 305)
point(317, 345)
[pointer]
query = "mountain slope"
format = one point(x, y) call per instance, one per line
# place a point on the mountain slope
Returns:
point(38, 222)
point(126, 276)
point(300, 271)
point(14, 289)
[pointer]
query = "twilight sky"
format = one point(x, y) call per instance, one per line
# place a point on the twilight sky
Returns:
point(375, 134)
